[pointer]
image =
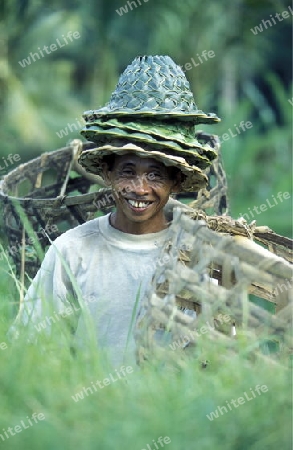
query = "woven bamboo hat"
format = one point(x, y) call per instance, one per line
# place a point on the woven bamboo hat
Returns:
point(151, 113)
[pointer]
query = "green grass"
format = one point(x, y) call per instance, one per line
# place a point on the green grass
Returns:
point(136, 410)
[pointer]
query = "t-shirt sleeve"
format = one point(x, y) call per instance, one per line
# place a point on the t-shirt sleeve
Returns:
point(48, 298)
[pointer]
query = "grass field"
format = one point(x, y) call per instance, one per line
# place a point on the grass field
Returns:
point(40, 408)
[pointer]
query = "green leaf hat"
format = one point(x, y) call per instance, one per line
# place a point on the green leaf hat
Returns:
point(152, 113)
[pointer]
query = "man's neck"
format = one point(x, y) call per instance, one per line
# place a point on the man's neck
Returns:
point(146, 227)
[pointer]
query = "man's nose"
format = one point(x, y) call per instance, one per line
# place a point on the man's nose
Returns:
point(140, 185)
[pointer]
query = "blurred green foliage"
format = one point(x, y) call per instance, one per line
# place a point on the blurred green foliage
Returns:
point(133, 412)
point(249, 79)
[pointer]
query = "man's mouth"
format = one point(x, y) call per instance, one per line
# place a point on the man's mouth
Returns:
point(139, 204)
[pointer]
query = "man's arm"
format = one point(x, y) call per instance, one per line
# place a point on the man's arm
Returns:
point(49, 302)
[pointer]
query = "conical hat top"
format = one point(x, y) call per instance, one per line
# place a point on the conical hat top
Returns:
point(155, 87)
point(152, 113)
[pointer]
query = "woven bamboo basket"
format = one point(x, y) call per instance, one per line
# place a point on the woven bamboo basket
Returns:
point(55, 194)
point(213, 274)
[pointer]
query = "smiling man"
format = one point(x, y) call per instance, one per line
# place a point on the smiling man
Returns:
point(141, 187)
point(145, 151)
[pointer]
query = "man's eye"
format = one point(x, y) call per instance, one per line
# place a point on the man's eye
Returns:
point(127, 173)
point(155, 176)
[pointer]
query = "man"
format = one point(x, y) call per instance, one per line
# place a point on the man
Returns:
point(95, 275)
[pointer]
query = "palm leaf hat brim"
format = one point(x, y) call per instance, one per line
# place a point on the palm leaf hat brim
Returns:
point(151, 113)
point(193, 177)
point(199, 155)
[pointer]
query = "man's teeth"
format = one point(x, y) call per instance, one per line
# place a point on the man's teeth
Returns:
point(137, 204)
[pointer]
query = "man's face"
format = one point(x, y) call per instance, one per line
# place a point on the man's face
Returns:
point(142, 187)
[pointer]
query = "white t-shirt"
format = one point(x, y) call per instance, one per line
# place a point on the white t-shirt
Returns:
point(112, 270)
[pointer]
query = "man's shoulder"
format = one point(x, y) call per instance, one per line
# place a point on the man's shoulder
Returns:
point(80, 233)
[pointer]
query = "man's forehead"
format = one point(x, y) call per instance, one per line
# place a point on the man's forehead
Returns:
point(136, 160)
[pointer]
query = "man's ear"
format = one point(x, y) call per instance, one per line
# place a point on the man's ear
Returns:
point(106, 174)
point(177, 183)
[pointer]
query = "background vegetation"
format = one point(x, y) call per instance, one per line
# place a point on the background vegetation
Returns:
point(249, 79)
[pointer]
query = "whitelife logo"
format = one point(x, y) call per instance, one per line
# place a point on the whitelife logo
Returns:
point(236, 403)
point(231, 133)
point(53, 47)
point(259, 28)
point(281, 196)
point(120, 374)
point(191, 335)
point(24, 425)
point(161, 440)
point(69, 129)
point(12, 250)
point(8, 161)
point(57, 316)
point(124, 9)
point(205, 55)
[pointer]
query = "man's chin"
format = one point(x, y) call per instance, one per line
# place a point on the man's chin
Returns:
point(139, 218)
